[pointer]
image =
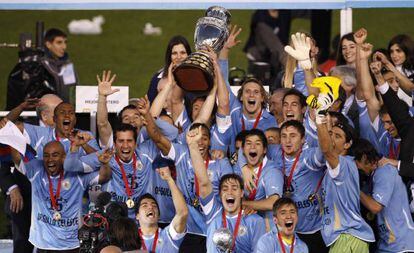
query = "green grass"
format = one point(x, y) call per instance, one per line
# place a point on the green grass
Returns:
point(134, 57)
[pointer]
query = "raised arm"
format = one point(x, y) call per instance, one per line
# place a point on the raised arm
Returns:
point(193, 136)
point(105, 172)
point(231, 42)
point(181, 211)
point(104, 90)
point(29, 103)
point(370, 203)
point(365, 87)
point(206, 110)
point(153, 131)
point(161, 98)
point(325, 142)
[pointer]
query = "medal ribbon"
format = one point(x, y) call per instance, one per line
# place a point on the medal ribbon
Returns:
point(256, 122)
point(318, 186)
point(252, 194)
point(128, 188)
point(53, 197)
point(292, 169)
point(154, 243)
point(282, 245)
point(394, 154)
point(196, 185)
point(236, 227)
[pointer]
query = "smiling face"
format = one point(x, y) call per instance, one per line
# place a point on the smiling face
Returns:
point(148, 213)
point(252, 98)
point(178, 54)
point(398, 56)
point(204, 143)
point(292, 108)
point(348, 48)
point(254, 150)
point(125, 145)
point(338, 138)
point(65, 118)
point(291, 140)
point(231, 195)
point(276, 104)
point(131, 117)
point(53, 157)
point(286, 219)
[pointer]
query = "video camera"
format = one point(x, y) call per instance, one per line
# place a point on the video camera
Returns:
point(93, 234)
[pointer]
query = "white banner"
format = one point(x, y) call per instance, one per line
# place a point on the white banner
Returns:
point(87, 99)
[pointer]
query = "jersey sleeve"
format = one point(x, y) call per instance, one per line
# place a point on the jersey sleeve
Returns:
point(177, 152)
point(211, 207)
point(149, 149)
point(365, 124)
point(89, 179)
point(29, 169)
point(384, 180)
point(31, 132)
point(341, 171)
point(85, 164)
point(174, 237)
point(314, 159)
point(273, 182)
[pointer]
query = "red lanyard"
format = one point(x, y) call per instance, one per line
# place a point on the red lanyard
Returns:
point(236, 227)
point(256, 122)
point(252, 194)
point(197, 187)
point(393, 154)
point(292, 169)
point(282, 245)
point(128, 188)
point(154, 243)
point(53, 197)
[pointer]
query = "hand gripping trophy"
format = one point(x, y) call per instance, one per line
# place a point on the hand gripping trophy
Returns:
point(196, 72)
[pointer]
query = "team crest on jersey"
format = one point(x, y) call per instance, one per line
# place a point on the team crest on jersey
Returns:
point(66, 184)
point(242, 230)
point(139, 165)
point(210, 175)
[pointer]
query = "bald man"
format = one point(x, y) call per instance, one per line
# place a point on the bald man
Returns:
point(45, 109)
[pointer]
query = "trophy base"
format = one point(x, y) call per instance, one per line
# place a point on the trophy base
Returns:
point(195, 74)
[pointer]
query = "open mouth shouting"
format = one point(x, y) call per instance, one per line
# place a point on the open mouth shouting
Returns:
point(150, 214)
point(290, 116)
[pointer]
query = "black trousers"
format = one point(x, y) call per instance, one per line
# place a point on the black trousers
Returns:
point(58, 251)
point(193, 244)
point(20, 226)
point(314, 242)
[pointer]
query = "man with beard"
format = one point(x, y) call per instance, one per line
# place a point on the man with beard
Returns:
point(63, 132)
point(225, 217)
point(170, 238)
point(284, 239)
point(57, 197)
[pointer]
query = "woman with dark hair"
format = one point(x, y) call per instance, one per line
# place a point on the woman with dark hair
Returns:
point(178, 49)
point(346, 53)
point(123, 233)
point(401, 52)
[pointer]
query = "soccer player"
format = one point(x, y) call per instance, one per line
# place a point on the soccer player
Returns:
point(57, 197)
point(387, 198)
point(64, 131)
point(225, 210)
point(283, 239)
point(343, 226)
point(168, 239)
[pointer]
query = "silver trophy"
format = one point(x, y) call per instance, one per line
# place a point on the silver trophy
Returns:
point(196, 72)
point(223, 239)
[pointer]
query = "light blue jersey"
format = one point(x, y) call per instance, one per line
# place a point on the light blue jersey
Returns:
point(39, 136)
point(306, 180)
point(269, 183)
point(340, 195)
point(180, 154)
point(251, 228)
point(46, 232)
point(269, 243)
point(140, 182)
point(169, 240)
point(395, 225)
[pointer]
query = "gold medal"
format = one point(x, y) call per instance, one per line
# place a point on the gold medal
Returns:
point(196, 202)
point(57, 216)
point(130, 203)
point(312, 197)
point(287, 194)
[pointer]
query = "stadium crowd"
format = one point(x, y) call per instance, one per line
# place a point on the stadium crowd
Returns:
point(323, 164)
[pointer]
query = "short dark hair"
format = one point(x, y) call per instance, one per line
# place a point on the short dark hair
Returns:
point(52, 33)
point(273, 129)
point(282, 202)
point(339, 116)
point(204, 126)
point(125, 128)
point(59, 105)
point(296, 124)
point(231, 176)
point(363, 147)
point(242, 135)
point(146, 196)
point(349, 131)
point(128, 107)
point(295, 92)
point(256, 132)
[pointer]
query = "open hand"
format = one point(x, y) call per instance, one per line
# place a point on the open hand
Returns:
point(105, 84)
